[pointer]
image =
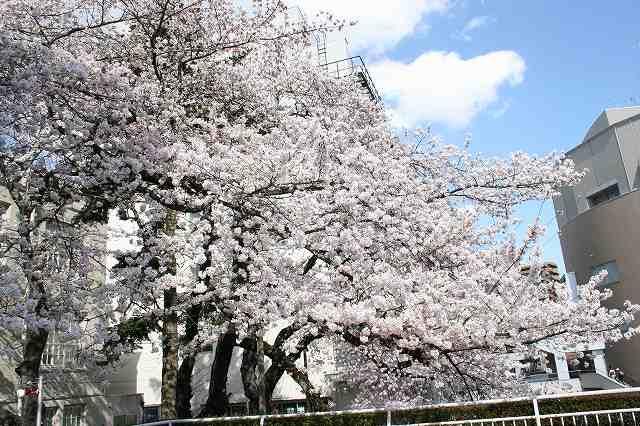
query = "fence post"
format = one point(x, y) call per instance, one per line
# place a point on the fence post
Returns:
point(388, 417)
point(40, 391)
point(536, 411)
point(261, 420)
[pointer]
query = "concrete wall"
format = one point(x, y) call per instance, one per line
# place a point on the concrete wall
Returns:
point(99, 410)
point(628, 134)
point(10, 214)
point(601, 161)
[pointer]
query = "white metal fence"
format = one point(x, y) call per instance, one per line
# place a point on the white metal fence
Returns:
point(619, 417)
point(584, 418)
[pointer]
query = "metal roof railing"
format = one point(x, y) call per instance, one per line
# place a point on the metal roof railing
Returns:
point(353, 67)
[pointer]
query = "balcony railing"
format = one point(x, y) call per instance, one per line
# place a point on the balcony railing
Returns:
point(353, 67)
point(575, 374)
point(540, 377)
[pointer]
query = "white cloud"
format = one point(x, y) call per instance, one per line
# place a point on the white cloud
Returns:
point(443, 87)
point(381, 24)
point(500, 110)
point(472, 25)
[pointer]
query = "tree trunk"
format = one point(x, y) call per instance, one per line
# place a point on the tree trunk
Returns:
point(280, 364)
point(169, 337)
point(314, 400)
point(248, 374)
point(184, 392)
point(29, 371)
point(218, 400)
point(271, 379)
point(169, 358)
point(262, 406)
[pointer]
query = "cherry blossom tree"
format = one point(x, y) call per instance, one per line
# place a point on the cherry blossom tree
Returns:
point(157, 61)
point(253, 190)
point(51, 253)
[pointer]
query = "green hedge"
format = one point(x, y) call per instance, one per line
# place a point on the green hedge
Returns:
point(580, 403)
point(244, 422)
point(347, 419)
point(465, 412)
point(365, 419)
point(590, 403)
point(577, 403)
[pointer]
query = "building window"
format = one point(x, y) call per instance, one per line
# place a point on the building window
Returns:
point(613, 273)
point(73, 415)
point(540, 368)
point(48, 415)
point(151, 414)
point(238, 409)
point(289, 407)
point(610, 192)
point(580, 362)
point(61, 354)
point(125, 420)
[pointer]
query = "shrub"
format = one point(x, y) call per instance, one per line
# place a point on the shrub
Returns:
point(577, 403)
point(346, 419)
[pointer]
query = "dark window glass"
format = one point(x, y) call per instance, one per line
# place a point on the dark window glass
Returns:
point(580, 362)
point(48, 415)
point(151, 414)
point(613, 272)
point(606, 194)
point(542, 366)
point(125, 420)
point(73, 415)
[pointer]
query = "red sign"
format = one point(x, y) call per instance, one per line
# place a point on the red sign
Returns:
point(33, 391)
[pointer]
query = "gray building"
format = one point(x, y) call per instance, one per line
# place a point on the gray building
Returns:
point(598, 218)
point(72, 395)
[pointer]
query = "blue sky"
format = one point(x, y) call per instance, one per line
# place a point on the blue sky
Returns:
point(516, 75)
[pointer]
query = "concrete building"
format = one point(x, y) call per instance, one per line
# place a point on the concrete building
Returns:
point(598, 218)
point(561, 369)
point(566, 368)
point(71, 394)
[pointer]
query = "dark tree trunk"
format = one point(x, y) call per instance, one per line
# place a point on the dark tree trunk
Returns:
point(262, 405)
point(184, 392)
point(271, 378)
point(218, 400)
point(314, 400)
point(279, 366)
point(29, 371)
point(281, 363)
point(169, 358)
point(248, 373)
point(169, 336)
